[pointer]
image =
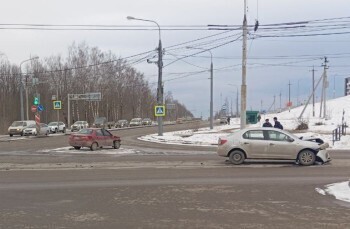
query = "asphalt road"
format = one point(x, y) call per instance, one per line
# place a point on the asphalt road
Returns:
point(162, 187)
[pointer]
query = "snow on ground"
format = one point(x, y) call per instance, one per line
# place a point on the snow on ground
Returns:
point(341, 191)
point(71, 150)
point(318, 127)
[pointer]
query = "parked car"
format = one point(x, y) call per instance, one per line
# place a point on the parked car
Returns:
point(55, 128)
point(94, 138)
point(110, 124)
point(223, 120)
point(100, 122)
point(146, 122)
point(122, 123)
point(271, 143)
point(78, 125)
point(17, 127)
point(135, 122)
point(31, 130)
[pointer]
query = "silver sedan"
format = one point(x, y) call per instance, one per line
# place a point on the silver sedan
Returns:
point(272, 144)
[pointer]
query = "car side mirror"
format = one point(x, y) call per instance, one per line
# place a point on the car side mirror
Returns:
point(290, 140)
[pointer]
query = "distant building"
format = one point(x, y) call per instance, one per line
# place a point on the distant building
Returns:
point(347, 86)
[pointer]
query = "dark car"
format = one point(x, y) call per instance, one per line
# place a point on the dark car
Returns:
point(94, 138)
point(146, 122)
point(122, 123)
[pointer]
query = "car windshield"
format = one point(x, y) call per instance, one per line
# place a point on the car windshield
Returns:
point(85, 131)
point(135, 120)
point(32, 126)
point(78, 122)
point(17, 123)
point(53, 124)
point(100, 120)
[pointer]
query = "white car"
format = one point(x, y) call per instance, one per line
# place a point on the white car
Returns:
point(78, 125)
point(31, 130)
point(273, 144)
point(54, 128)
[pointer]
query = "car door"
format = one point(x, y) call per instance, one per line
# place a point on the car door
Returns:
point(254, 144)
point(280, 145)
point(100, 138)
point(108, 137)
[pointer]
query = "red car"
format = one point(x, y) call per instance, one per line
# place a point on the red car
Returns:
point(94, 138)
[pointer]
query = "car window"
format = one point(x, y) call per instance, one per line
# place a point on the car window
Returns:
point(254, 134)
point(106, 133)
point(99, 133)
point(277, 136)
point(85, 131)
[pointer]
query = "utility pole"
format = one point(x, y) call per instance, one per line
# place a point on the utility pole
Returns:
point(289, 104)
point(325, 80)
point(313, 91)
point(274, 104)
point(237, 113)
point(261, 106)
point(280, 101)
point(244, 70)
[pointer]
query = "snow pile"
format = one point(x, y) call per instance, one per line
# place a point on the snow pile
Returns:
point(341, 191)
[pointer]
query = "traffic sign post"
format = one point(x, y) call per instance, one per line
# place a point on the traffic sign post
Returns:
point(37, 122)
point(159, 111)
point(57, 105)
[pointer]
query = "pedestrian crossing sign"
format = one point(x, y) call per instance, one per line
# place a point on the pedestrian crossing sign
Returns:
point(159, 111)
point(57, 105)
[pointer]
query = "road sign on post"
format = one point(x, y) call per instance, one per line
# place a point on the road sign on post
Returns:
point(57, 105)
point(40, 107)
point(33, 108)
point(159, 111)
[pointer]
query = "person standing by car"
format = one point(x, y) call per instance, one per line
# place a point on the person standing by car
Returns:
point(277, 124)
point(228, 120)
point(267, 123)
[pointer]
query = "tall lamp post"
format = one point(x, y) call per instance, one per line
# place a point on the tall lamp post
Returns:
point(236, 98)
point(211, 84)
point(160, 72)
point(21, 88)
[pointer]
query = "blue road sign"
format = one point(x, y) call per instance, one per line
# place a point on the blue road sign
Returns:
point(40, 107)
point(159, 111)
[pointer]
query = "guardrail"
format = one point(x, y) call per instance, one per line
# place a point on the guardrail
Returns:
point(338, 132)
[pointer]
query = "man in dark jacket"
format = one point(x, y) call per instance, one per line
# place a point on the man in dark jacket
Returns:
point(277, 124)
point(267, 123)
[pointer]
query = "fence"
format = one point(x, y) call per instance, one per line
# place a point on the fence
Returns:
point(338, 132)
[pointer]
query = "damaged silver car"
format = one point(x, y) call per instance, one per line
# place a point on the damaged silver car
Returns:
point(272, 144)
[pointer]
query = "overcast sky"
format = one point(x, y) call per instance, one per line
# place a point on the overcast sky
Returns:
point(272, 61)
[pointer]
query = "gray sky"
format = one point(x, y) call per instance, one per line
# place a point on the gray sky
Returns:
point(272, 62)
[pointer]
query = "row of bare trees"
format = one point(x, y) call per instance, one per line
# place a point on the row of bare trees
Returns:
point(125, 91)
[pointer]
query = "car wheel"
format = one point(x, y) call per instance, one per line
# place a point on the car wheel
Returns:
point(306, 157)
point(56, 130)
point(11, 135)
point(116, 144)
point(64, 130)
point(21, 133)
point(93, 146)
point(77, 147)
point(237, 157)
point(47, 133)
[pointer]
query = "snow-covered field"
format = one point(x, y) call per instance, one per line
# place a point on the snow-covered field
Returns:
point(318, 127)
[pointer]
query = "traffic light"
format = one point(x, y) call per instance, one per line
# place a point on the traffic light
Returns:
point(36, 100)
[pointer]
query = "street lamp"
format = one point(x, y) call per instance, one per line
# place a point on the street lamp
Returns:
point(236, 98)
point(21, 89)
point(160, 72)
point(211, 84)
